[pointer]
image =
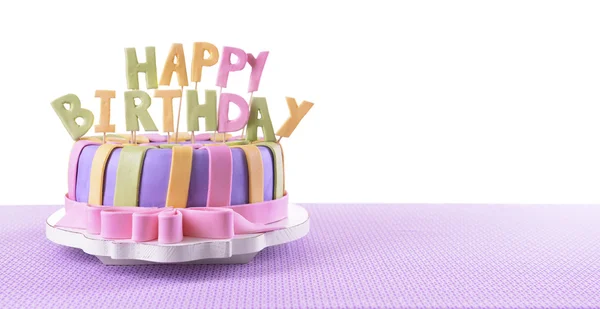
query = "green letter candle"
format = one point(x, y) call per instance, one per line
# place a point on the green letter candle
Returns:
point(134, 67)
point(134, 112)
point(208, 110)
point(69, 115)
point(259, 105)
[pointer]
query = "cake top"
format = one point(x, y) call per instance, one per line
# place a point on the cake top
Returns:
point(214, 109)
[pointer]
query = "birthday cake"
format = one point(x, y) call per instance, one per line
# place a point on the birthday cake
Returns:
point(165, 187)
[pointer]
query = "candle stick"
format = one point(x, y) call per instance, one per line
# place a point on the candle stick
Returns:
point(217, 115)
point(249, 107)
point(193, 134)
point(178, 116)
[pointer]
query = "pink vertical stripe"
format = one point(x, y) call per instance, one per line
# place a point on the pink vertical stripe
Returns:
point(220, 172)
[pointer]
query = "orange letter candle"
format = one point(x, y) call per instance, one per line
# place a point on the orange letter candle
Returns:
point(198, 60)
point(296, 114)
point(175, 64)
point(105, 96)
point(168, 96)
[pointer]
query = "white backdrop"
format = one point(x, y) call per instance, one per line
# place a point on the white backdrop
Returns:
point(427, 101)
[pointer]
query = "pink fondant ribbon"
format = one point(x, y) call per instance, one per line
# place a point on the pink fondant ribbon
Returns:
point(220, 173)
point(73, 163)
point(203, 136)
point(155, 137)
point(169, 225)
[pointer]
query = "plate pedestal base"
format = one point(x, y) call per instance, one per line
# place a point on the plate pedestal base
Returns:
point(236, 259)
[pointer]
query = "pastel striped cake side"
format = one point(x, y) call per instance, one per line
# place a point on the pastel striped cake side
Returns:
point(177, 176)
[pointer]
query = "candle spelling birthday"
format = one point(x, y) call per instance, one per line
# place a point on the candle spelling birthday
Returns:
point(254, 113)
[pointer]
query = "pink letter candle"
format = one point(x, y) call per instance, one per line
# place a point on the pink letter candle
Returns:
point(257, 64)
point(226, 125)
point(226, 66)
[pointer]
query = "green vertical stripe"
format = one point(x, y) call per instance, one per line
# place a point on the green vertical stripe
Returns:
point(277, 166)
point(129, 173)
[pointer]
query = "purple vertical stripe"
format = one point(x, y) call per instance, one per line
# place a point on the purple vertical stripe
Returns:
point(268, 168)
point(84, 169)
point(154, 182)
point(239, 178)
point(199, 180)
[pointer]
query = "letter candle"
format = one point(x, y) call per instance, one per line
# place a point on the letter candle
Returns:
point(168, 96)
point(223, 75)
point(104, 125)
point(198, 61)
point(258, 65)
point(214, 108)
point(175, 63)
point(134, 113)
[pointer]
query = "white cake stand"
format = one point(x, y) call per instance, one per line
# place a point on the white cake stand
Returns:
point(239, 250)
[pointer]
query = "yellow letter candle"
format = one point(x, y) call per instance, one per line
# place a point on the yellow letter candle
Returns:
point(69, 115)
point(168, 96)
point(198, 60)
point(134, 112)
point(104, 126)
point(134, 67)
point(175, 64)
point(296, 114)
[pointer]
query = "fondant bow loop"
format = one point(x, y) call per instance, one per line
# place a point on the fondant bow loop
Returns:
point(206, 222)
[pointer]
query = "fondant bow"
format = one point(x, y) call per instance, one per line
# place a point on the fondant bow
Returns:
point(170, 225)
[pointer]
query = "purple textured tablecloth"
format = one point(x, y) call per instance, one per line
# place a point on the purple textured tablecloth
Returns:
point(356, 256)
